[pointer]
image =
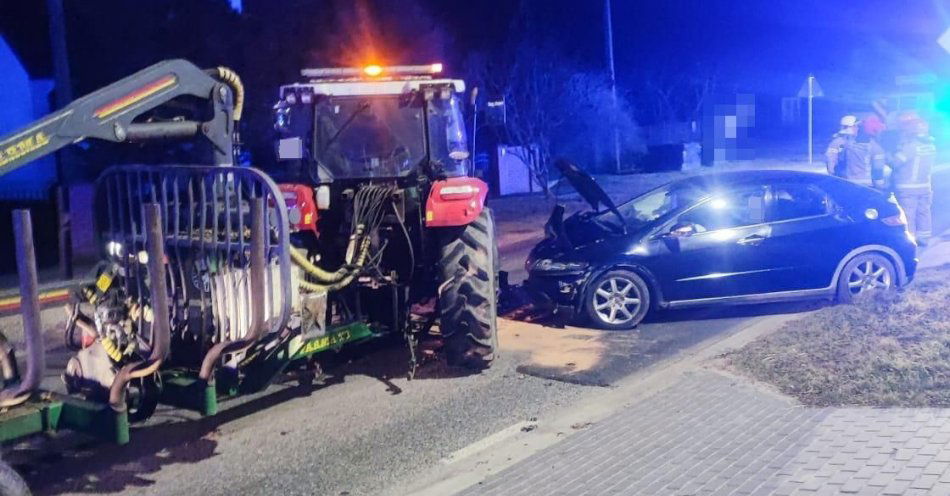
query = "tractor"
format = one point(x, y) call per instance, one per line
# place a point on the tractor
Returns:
point(216, 279)
point(387, 227)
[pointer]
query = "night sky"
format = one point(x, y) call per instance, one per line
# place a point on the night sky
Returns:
point(747, 43)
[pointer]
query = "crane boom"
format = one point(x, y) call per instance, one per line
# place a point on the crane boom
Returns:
point(108, 114)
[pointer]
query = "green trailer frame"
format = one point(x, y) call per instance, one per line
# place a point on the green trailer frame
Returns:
point(47, 412)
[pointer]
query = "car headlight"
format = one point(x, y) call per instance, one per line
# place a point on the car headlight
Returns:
point(548, 265)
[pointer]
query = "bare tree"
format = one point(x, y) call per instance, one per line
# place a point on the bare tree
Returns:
point(553, 105)
point(674, 95)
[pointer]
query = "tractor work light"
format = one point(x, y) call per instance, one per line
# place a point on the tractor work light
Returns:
point(114, 248)
point(373, 70)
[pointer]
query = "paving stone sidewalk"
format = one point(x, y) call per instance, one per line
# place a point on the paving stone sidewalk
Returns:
point(710, 433)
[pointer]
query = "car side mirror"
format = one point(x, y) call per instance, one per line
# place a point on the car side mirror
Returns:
point(682, 230)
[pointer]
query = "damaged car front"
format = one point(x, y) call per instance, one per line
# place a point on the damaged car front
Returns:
point(580, 247)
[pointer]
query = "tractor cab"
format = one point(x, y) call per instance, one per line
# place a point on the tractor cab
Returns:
point(371, 123)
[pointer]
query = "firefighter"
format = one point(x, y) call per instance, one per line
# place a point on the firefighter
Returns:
point(841, 140)
point(859, 159)
point(885, 145)
point(913, 166)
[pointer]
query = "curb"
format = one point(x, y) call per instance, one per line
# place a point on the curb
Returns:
point(935, 251)
point(500, 451)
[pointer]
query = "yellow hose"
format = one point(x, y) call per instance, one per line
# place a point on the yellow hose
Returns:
point(234, 81)
point(318, 288)
point(111, 349)
point(318, 273)
point(347, 277)
point(325, 275)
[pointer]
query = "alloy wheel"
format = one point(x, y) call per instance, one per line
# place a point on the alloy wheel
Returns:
point(868, 275)
point(617, 301)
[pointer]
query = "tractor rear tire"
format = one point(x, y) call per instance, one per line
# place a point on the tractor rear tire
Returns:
point(468, 293)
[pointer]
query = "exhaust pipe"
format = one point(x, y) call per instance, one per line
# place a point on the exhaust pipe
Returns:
point(161, 327)
point(258, 268)
point(30, 311)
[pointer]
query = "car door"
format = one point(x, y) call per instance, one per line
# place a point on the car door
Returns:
point(713, 247)
point(807, 237)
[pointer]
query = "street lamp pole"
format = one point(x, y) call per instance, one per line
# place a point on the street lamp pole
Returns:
point(608, 20)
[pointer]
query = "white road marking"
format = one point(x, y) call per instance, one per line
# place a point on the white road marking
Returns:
point(485, 442)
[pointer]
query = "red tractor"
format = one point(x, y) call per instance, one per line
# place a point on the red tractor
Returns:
point(386, 221)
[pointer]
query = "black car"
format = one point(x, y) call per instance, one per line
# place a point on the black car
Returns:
point(737, 237)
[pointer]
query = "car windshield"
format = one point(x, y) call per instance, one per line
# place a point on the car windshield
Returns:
point(368, 137)
point(655, 204)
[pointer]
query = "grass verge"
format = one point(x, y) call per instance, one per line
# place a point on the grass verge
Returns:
point(887, 349)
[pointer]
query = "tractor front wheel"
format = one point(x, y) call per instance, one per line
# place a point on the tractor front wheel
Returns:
point(468, 293)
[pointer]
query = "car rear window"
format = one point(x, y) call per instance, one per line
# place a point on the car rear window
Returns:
point(856, 199)
point(796, 201)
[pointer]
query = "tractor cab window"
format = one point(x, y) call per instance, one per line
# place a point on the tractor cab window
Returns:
point(447, 138)
point(358, 137)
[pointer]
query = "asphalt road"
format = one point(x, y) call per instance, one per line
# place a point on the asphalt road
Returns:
point(366, 428)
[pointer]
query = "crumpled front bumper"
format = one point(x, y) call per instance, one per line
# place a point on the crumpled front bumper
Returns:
point(563, 292)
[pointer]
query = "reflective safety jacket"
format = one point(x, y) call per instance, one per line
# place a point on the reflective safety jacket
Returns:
point(835, 152)
point(913, 164)
point(862, 162)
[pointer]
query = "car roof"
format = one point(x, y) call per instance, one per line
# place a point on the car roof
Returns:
point(746, 177)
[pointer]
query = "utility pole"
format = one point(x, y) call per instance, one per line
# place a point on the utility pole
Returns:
point(811, 89)
point(608, 20)
point(57, 33)
point(811, 120)
point(63, 95)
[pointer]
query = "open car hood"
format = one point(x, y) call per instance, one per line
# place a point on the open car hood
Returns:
point(588, 188)
point(585, 185)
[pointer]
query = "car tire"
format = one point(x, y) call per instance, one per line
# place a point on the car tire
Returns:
point(616, 300)
point(865, 272)
point(468, 294)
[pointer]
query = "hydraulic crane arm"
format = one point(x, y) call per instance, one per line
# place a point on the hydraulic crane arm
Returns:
point(107, 114)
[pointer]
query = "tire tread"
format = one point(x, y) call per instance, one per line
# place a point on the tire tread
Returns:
point(467, 298)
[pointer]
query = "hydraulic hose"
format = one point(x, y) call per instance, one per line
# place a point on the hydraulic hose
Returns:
point(318, 288)
point(326, 276)
point(318, 273)
point(347, 278)
point(368, 212)
point(234, 81)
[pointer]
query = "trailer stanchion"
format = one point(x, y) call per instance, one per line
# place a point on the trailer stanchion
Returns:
point(30, 311)
point(161, 333)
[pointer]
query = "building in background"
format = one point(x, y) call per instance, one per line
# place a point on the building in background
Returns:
point(23, 99)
